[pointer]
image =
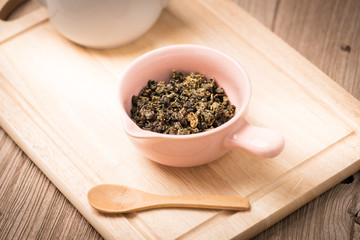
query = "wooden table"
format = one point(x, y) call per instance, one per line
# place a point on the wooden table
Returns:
point(327, 32)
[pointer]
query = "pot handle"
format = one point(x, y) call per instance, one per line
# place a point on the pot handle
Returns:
point(260, 141)
point(16, 26)
point(7, 7)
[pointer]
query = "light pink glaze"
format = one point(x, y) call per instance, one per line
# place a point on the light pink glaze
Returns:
point(201, 148)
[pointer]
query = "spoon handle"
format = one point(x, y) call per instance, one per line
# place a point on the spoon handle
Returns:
point(199, 201)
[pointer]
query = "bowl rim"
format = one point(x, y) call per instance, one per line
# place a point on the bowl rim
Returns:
point(141, 133)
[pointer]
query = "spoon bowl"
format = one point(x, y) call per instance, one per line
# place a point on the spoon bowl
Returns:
point(110, 198)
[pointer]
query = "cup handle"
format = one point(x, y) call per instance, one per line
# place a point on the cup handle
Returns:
point(260, 141)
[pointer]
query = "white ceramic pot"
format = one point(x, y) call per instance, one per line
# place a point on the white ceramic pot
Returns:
point(103, 23)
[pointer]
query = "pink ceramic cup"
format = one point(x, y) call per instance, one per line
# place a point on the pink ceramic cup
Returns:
point(200, 148)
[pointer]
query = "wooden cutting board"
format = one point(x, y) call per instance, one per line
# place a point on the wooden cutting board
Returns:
point(58, 102)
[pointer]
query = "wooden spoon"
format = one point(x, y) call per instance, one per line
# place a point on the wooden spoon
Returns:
point(111, 198)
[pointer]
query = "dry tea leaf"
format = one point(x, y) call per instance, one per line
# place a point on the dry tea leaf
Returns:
point(193, 120)
point(186, 104)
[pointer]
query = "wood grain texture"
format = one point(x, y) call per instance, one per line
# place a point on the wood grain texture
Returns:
point(330, 216)
point(76, 137)
point(31, 207)
point(23, 224)
point(264, 11)
point(327, 33)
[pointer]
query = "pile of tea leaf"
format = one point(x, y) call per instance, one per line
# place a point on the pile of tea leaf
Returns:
point(186, 104)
